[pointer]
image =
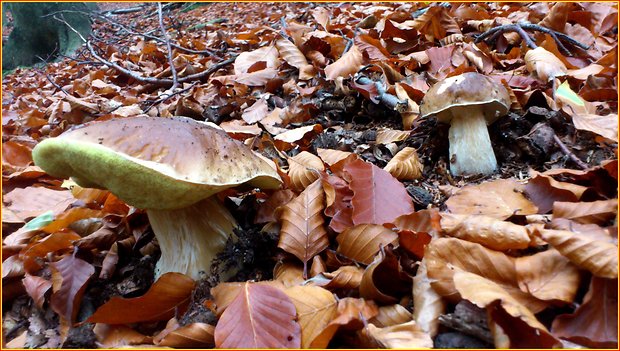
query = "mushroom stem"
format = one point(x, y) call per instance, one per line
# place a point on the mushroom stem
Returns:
point(190, 238)
point(470, 146)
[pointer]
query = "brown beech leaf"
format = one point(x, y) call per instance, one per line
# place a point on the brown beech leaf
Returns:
point(346, 65)
point(544, 64)
point(118, 335)
point(304, 169)
point(378, 197)
point(426, 221)
point(316, 307)
point(12, 267)
point(257, 78)
point(401, 336)
point(405, 165)
point(303, 232)
point(372, 47)
point(289, 274)
point(288, 139)
point(544, 191)
point(597, 212)
point(261, 316)
point(345, 277)
point(31, 201)
point(170, 294)
point(224, 294)
point(414, 242)
point(63, 220)
point(548, 275)
point(391, 315)
point(443, 256)
point(36, 287)
point(384, 280)
point(337, 194)
point(191, 336)
point(362, 242)
point(69, 277)
point(500, 199)
point(256, 112)
point(595, 322)
point(484, 293)
point(427, 304)
point(352, 313)
point(294, 57)
point(605, 126)
point(600, 257)
point(266, 210)
point(386, 136)
point(488, 231)
point(245, 60)
point(331, 157)
point(52, 243)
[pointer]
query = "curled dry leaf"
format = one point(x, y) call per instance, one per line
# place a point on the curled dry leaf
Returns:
point(304, 169)
point(597, 256)
point(346, 65)
point(288, 273)
point(484, 293)
point(191, 336)
point(544, 191)
point(384, 280)
point(118, 335)
point(352, 313)
point(30, 202)
point(260, 316)
point(256, 112)
point(69, 278)
point(391, 315)
point(224, 294)
point(443, 256)
point(488, 231)
point(294, 57)
point(595, 322)
point(331, 157)
point(316, 307)
point(245, 60)
point(401, 336)
point(266, 210)
point(548, 276)
point(345, 277)
point(63, 220)
point(596, 212)
point(426, 221)
point(544, 64)
point(378, 197)
point(52, 243)
point(13, 267)
point(170, 294)
point(413, 242)
point(286, 140)
point(413, 110)
point(337, 194)
point(362, 242)
point(386, 136)
point(303, 232)
point(427, 304)
point(405, 165)
point(36, 287)
point(500, 199)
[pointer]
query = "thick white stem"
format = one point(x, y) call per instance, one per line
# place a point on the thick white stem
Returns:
point(470, 146)
point(191, 237)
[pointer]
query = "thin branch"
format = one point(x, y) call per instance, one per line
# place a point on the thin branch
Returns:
point(568, 153)
point(173, 70)
point(166, 97)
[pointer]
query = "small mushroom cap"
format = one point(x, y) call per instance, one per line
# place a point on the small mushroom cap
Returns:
point(154, 162)
point(467, 89)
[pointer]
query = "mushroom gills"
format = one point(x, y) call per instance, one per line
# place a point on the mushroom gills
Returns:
point(470, 146)
point(190, 238)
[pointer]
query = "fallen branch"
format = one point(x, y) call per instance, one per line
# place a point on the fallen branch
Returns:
point(520, 28)
point(384, 97)
point(165, 97)
point(568, 153)
point(164, 33)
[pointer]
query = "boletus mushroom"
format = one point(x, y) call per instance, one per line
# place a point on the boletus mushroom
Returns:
point(469, 102)
point(172, 168)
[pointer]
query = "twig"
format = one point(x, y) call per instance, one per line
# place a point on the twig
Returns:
point(384, 97)
point(167, 97)
point(173, 70)
point(520, 28)
point(56, 85)
point(568, 153)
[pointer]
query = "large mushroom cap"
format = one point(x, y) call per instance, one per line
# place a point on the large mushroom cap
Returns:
point(154, 163)
point(463, 90)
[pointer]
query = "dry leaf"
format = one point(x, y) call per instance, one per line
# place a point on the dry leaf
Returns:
point(256, 112)
point(303, 232)
point(597, 256)
point(345, 277)
point(386, 136)
point(544, 64)
point(597, 212)
point(316, 307)
point(289, 274)
point(169, 295)
point(331, 157)
point(52, 243)
point(384, 279)
point(260, 316)
point(245, 60)
point(548, 276)
point(191, 336)
point(118, 335)
point(346, 65)
point(391, 315)
point(36, 287)
point(401, 336)
point(69, 278)
point(30, 202)
point(427, 304)
point(294, 57)
point(405, 165)
point(362, 242)
point(304, 169)
point(488, 231)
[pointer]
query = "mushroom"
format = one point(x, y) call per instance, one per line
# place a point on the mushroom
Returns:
point(469, 102)
point(172, 168)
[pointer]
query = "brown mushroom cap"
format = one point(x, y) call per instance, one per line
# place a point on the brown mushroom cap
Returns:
point(154, 162)
point(467, 89)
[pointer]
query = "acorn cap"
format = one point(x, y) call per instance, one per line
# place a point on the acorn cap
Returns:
point(154, 162)
point(466, 89)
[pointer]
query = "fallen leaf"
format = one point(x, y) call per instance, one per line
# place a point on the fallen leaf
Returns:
point(316, 308)
point(386, 136)
point(605, 126)
point(548, 275)
point(384, 279)
point(118, 335)
point(346, 65)
point(391, 315)
point(52, 243)
point(169, 295)
point(331, 157)
point(256, 112)
point(544, 191)
point(304, 169)
point(597, 256)
point(595, 322)
point(597, 212)
point(191, 336)
point(378, 197)
point(405, 165)
point(303, 232)
point(401, 336)
point(36, 287)
point(69, 277)
point(544, 64)
point(266, 210)
point(483, 293)
point(289, 274)
point(427, 304)
point(500, 199)
point(345, 277)
point(245, 60)
point(286, 140)
point(362, 242)
point(488, 231)
point(30, 202)
point(63, 220)
point(260, 316)
point(294, 57)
